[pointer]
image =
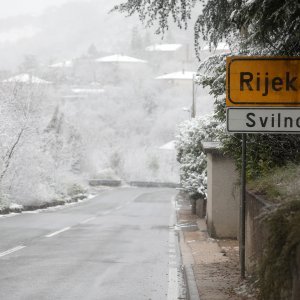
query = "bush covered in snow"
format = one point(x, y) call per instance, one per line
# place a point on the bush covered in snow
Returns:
point(40, 152)
point(190, 153)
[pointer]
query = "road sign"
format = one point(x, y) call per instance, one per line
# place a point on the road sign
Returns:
point(263, 81)
point(263, 120)
point(260, 94)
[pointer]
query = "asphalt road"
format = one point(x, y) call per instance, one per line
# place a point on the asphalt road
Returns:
point(118, 245)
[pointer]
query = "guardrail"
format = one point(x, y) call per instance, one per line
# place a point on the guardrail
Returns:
point(116, 183)
point(105, 182)
point(154, 184)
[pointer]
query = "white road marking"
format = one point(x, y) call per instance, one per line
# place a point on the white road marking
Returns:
point(106, 212)
point(88, 220)
point(11, 250)
point(57, 232)
point(119, 207)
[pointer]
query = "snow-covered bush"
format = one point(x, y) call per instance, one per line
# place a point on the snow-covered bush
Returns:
point(40, 152)
point(190, 155)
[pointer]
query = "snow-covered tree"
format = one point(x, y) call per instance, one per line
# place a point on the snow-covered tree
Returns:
point(250, 27)
point(39, 155)
point(191, 157)
point(269, 25)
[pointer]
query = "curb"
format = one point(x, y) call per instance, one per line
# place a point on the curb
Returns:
point(177, 287)
point(183, 268)
point(189, 277)
point(187, 261)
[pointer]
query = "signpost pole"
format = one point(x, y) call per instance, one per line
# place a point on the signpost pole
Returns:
point(243, 207)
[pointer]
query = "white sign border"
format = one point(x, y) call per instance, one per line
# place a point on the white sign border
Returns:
point(259, 108)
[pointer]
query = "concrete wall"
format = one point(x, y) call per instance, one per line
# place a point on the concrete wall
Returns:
point(256, 232)
point(223, 196)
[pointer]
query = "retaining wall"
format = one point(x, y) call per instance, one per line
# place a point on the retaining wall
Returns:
point(256, 239)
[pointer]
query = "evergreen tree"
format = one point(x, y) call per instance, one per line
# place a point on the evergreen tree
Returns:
point(92, 51)
point(30, 64)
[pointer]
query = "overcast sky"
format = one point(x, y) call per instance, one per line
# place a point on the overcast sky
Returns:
point(16, 7)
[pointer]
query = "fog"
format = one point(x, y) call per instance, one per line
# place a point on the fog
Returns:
point(31, 7)
point(75, 117)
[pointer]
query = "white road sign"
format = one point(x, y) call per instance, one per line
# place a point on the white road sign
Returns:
point(263, 120)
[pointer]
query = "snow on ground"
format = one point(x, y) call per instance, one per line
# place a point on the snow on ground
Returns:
point(52, 208)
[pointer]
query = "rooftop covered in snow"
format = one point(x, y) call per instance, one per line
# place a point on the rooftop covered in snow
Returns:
point(181, 75)
point(26, 78)
point(119, 58)
point(87, 91)
point(83, 92)
point(164, 47)
point(220, 47)
point(168, 146)
point(63, 64)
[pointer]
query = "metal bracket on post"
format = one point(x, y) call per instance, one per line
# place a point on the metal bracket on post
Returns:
point(243, 207)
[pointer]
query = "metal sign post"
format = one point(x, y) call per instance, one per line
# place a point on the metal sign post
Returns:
point(243, 206)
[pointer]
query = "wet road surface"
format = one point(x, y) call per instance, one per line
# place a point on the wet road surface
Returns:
point(114, 246)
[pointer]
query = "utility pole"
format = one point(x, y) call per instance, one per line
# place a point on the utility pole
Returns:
point(193, 110)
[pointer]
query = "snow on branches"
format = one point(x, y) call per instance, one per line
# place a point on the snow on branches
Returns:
point(191, 157)
point(160, 11)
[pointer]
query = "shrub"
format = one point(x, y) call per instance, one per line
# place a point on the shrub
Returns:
point(190, 155)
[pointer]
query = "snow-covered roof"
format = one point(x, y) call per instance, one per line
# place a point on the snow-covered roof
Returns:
point(63, 64)
point(164, 47)
point(222, 46)
point(119, 58)
point(26, 78)
point(87, 91)
point(182, 75)
point(168, 146)
point(83, 92)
